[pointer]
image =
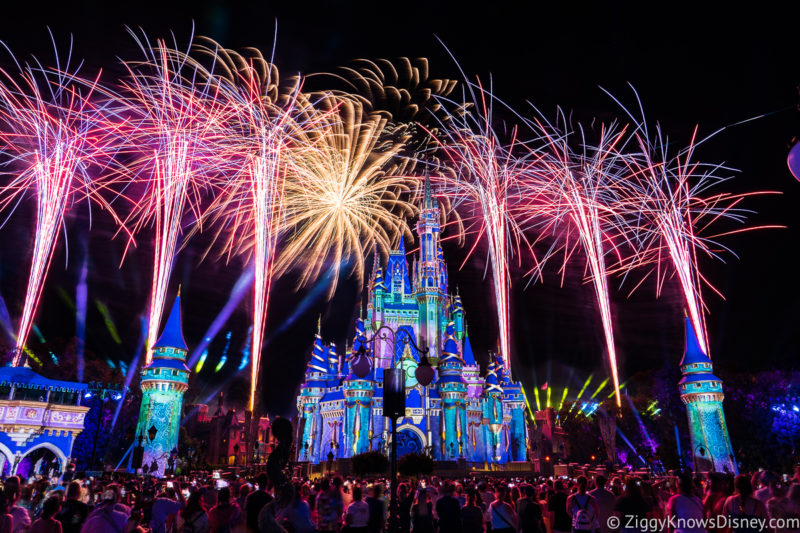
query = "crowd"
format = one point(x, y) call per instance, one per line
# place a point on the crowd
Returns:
point(204, 504)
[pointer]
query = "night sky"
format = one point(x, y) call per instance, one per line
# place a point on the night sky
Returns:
point(712, 68)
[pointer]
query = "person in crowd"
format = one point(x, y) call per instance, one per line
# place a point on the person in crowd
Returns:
point(193, 518)
point(631, 505)
point(406, 500)
point(472, 514)
point(685, 506)
point(778, 504)
point(582, 508)
point(761, 482)
point(605, 500)
point(448, 510)
point(106, 516)
point(165, 509)
point(560, 521)
point(225, 515)
point(529, 511)
point(329, 508)
point(356, 517)
point(504, 519)
point(743, 504)
point(422, 513)
point(47, 523)
point(377, 509)
point(73, 511)
point(13, 494)
point(255, 501)
point(793, 497)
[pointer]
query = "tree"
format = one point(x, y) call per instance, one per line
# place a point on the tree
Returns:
point(415, 464)
point(369, 463)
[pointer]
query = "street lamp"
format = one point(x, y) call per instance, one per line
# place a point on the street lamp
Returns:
point(395, 377)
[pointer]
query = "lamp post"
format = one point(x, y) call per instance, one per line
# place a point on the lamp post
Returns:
point(361, 367)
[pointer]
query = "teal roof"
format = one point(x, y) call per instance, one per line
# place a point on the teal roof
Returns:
point(23, 376)
point(172, 335)
point(175, 364)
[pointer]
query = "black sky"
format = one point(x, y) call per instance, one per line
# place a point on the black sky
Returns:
point(691, 65)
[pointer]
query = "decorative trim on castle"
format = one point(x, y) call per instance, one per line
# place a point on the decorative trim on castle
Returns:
point(460, 415)
point(701, 392)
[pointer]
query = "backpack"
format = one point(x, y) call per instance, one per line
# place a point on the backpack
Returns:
point(583, 520)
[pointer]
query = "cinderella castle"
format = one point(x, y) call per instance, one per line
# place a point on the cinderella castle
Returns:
point(460, 415)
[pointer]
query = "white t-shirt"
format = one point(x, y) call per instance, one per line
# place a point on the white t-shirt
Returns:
point(684, 508)
point(22, 520)
point(357, 514)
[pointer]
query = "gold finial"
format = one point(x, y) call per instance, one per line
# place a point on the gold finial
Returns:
point(319, 324)
point(179, 290)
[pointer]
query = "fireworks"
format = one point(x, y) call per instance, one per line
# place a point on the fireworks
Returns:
point(294, 180)
point(176, 133)
point(52, 135)
point(260, 134)
point(484, 174)
point(579, 187)
point(346, 195)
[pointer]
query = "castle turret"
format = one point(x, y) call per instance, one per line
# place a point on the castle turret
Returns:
point(492, 411)
point(317, 373)
point(701, 392)
point(430, 280)
point(163, 382)
point(515, 431)
point(453, 392)
point(358, 393)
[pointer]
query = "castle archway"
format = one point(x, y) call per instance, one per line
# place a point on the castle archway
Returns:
point(410, 440)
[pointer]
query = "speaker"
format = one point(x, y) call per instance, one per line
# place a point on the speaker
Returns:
point(138, 457)
point(394, 393)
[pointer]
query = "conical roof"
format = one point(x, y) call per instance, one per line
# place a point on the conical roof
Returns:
point(172, 335)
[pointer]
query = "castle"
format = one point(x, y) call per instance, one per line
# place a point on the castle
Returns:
point(460, 415)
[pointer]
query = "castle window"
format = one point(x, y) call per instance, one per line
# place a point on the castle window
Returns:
point(697, 385)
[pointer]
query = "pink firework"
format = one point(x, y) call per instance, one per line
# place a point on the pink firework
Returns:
point(484, 175)
point(569, 193)
point(258, 138)
point(177, 125)
point(668, 211)
point(54, 139)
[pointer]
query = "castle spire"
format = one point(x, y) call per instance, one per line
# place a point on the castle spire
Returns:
point(172, 334)
point(693, 353)
point(428, 197)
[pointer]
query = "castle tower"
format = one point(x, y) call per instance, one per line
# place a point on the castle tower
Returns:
point(358, 395)
point(492, 413)
point(311, 391)
point(163, 383)
point(701, 392)
point(453, 392)
point(516, 438)
point(430, 275)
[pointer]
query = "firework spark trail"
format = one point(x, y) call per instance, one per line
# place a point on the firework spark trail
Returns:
point(259, 137)
point(179, 121)
point(668, 206)
point(581, 186)
point(52, 135)
point(484, 178)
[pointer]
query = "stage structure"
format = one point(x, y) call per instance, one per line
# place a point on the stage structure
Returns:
point(701, 392)
point(164, 381)
point(40, 419)
point(461, 415)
